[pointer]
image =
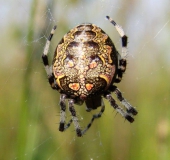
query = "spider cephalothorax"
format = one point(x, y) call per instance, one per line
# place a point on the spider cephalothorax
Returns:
point(85, 66)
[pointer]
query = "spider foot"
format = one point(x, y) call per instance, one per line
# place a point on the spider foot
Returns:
point(61, 127)
point(79, 132)
point(132, 111)
point(129, 118)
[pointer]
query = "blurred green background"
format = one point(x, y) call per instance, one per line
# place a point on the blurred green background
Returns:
point(29, 108)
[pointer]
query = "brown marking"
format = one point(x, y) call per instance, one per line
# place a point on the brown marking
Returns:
point(83, 97)
point(109, 51)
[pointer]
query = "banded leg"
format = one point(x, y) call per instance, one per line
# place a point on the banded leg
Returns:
point(128, 106)
point(74, 117)
point(95, 116)
point(126, 115)
point(45, 60)
point(62, 112)
point(122, 61)
point(63, 126)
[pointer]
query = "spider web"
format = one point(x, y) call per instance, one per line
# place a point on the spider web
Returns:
point(30, 108)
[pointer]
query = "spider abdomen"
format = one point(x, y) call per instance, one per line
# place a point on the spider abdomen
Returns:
point(85, 61)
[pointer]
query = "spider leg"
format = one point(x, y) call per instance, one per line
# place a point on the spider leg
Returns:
point(45, 60)
point(128, 106)
point(126, 115)
point(122, 61)
point(62, 112)
point(68, 124)
point(63, 126)
point(74, 117)
point(95, 116)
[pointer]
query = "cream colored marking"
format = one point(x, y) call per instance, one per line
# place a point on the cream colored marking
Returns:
point(58, 80)
point(106, 78)
point(102, 59)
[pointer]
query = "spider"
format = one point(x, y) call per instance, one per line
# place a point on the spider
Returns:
point(85, 67)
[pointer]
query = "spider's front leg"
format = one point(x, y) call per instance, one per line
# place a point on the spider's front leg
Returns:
point(122, 61)
point(48, 69)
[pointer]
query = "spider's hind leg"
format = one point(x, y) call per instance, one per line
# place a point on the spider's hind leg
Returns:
point(76, 121)
point(130, 109)
point(95, 116)
point(126, 115)
point(63, 126)
point(74, 117)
